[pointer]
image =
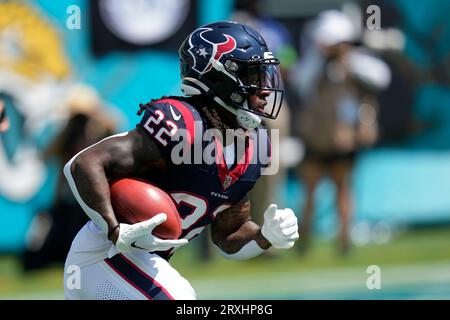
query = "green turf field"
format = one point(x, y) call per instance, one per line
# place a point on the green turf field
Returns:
point(414, 265)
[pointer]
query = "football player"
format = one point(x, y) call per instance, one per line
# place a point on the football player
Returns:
point(231, 81)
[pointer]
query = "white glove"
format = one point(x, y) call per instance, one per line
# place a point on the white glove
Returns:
point(280, 227)
point(138, 236)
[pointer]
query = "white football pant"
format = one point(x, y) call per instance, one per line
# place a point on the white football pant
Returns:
point(90, 275)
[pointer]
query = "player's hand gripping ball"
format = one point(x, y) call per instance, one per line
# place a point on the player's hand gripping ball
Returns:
point(135, 201)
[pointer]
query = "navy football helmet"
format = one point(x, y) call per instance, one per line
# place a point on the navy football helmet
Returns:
point(229, 62)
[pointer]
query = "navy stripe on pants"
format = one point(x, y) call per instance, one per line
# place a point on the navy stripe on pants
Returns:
point(137, 278)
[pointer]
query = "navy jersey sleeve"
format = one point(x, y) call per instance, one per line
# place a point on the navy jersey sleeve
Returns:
point(171, 124)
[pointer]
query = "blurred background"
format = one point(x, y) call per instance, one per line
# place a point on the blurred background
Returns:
point(364, 138)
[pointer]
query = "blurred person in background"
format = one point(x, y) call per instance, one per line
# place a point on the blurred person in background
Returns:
point(415, 105)
point(337, 82)
point(396, 102)
point(54, 228)
point(4, 122)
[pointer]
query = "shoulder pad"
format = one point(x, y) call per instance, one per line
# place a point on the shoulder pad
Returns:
point(163, 118)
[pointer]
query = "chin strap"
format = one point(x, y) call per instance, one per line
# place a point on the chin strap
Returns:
point(245, 119)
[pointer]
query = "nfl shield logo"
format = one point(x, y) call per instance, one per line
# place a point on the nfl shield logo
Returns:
point(227, 182)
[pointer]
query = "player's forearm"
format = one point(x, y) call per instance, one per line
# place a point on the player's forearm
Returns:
point(87, 179)
point(237, 236)
point(248, 231)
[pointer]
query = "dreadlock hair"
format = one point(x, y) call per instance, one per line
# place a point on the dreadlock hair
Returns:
point(202, 105)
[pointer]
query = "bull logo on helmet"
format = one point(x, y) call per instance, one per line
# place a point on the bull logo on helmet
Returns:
point(206, 52)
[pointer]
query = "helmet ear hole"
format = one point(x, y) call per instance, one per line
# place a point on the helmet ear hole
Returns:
point(231, 65)
point(236, 97)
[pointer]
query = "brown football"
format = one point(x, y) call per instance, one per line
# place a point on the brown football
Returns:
point(136, 200)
